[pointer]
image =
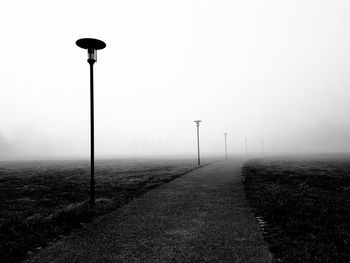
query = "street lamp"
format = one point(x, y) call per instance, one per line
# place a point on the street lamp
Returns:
point(197, 123)
point(92, 45)
point(225, 134)
point(263, 146)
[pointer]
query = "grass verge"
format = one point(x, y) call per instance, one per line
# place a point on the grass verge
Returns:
point(303, 205)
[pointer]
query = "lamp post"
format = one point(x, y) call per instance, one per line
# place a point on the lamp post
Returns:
point(225, 134)
point(263, 146)
point(246, 146)
point(197, 123)
point(92, 45)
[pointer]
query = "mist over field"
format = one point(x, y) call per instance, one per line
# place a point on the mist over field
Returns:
point(274, 72)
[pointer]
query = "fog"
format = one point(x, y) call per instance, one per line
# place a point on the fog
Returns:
point(274, 72)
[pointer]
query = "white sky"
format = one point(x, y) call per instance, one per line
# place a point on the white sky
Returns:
point(277, 70)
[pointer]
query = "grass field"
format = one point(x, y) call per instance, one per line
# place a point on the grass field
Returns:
point(42, 201)
point(303, 204)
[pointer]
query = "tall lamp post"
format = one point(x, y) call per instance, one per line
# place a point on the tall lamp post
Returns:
point(225, 134)
point(92, 45)
point(197, 124)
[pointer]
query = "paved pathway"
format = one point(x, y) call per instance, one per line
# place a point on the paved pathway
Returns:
point(202, 216)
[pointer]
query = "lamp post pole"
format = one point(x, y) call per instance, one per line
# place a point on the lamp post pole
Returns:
point(263, 147)
point(92, 134)
point(225, 145)
point(92, 45)
point(197, 124)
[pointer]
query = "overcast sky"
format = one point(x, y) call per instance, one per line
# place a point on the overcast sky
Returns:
point(276, 71)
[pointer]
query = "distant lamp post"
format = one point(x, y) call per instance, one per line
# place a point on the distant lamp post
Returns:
point(92, 45)
point(197, 123)
point(263, 146)
point(246, 146)
point(225, 134)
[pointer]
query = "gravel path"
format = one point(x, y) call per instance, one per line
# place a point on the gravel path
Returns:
point(202, 216)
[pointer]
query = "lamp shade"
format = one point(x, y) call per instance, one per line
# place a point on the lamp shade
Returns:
point(90, 43)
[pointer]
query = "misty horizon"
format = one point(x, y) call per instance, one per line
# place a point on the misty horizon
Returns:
point(273, 72)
